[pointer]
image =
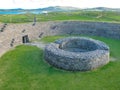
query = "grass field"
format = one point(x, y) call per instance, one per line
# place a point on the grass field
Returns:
point(99, 16)
point(24, 68)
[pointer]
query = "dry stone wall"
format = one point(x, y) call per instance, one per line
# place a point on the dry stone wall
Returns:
point(110, 30)
point(95, 54)
point(13, 33)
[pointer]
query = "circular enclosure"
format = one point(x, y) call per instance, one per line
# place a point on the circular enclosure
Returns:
point(77, 54)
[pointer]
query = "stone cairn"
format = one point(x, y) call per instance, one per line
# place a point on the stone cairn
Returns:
point(77, 54)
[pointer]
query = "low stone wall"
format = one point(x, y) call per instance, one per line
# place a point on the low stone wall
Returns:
point(96, 54)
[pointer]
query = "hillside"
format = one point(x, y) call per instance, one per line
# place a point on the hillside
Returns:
point(103, 9)
point(54, 9)
point(81, 15)
point(38, 10)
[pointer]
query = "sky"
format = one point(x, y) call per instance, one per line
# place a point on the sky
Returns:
point(32, 4)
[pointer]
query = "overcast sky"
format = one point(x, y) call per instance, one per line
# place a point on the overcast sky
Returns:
point(27, 4)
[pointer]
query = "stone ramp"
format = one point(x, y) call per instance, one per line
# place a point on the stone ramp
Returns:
point(37, 44)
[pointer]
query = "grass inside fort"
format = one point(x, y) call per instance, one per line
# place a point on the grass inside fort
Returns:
point(24, 68)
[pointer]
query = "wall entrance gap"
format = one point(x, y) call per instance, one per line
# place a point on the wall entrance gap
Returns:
point(25, 39)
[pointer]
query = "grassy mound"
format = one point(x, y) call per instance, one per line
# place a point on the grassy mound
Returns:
point(24, 69)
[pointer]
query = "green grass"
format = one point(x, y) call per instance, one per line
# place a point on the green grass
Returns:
point(25, 69)
point(95, 16)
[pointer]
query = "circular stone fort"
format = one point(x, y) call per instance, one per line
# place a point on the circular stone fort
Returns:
point(77, 54)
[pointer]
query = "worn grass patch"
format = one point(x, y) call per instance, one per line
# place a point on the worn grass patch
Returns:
point(24, 69)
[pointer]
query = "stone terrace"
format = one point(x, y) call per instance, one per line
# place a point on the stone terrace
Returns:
point(12, 34)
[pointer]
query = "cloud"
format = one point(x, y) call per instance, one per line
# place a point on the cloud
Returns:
point(44, 3)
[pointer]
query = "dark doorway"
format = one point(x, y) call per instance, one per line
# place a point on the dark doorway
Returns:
point(25, 39)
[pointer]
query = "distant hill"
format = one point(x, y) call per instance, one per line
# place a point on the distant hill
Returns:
point(102, 9)
point(58, 8)
point(53, 9)
point(38, 11)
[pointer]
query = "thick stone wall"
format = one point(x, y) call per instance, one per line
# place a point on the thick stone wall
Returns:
point(95, 54)
point(12, 34)
point(110, 30)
